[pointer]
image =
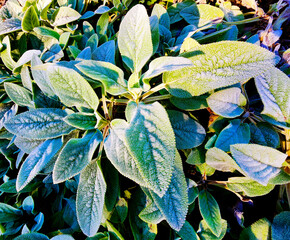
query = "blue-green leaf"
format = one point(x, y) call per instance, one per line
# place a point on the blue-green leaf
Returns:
point(150, 140)
point(9, 213)
point(258, 162)
point(118, 153)
point(90, 199)
point(218, 65)
point(62, 237)
point(46, 31)
point(163, 17)
point(64, 15)
point(39, 124)
point(32, 236)
point(10, 25)
point(227, 102)
point(210, 212)
point(281, 226)
point(187, 232)
point(205, 232)
point(174, 203)
point(105, 52)
point(188, 133)
point(75, 156)
point(72, 88)
point(151, 213)
point(134, 39)
point(235, 132)
point(19, 95)
point(36, 161)
point(81, 120)
point(260, 229)
point(107, 73)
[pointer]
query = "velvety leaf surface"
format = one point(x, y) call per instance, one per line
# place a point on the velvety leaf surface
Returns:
point(150, 140)
point(9, 213)
point(65, 15)
point(90, 199)
point(75, 156)
point(187, 232)
point(261, 230)
point(40, 123)
point(281, 226)
point(205, 232)
point(10, 25)
point(211, 67)
point(30, 19)
point(260, 163)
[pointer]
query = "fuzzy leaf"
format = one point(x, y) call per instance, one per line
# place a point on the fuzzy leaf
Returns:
point(205, 232)
point(151, 214)
point(134, 39)
point(26, 144)
point(273, 88)
point(259, 230)
point(187, 232)
point(188, 133)
point(174, 203)
point(107, 73)
point(260, 163)
point(19, 95)
point(281, 226)
point(248, 186)
point(46, 31)
point(9, 213)
point(150, 139)
point(39, 124)
point(227, 102)
point(30, 19)
point(84, 121)
point(36, 161)
point(105, 52)
point(10, 25)
point(75, 156)
point(218, 65)
point(118, 153)
point(210, 212)
point(64, 15)
point(90, 199)
point(6, 54)
point(72, 88)
point(235, 132)
point(163, 17)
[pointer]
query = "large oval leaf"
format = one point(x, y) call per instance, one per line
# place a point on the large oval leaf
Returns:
point(72, 88)
point(150, 139)
point(90, 199)
point(218, 65)
point(134, 39)
point(119, 155)
point(30, 19)
point(188, 133)
point(10, 25)
point(64, 15)
point(174, 203)
point(75, 156)
point(39, 124)
point(36, 161)
point(258, 162)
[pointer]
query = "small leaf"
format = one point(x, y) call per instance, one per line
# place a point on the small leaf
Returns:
point(218, 65)
point(175, 9)
point(75, 156)
point(188, 133)
point(6, 54)
point(64, 15)
point(93, 42)
point(163, 17)
point(84, 121)
point(227, 102)
point(90, 199)
point(248, 187)
point(155, 37)
point(118, 153)
point(30, 19)
point(107, 73)
point(10, 25)
point(39, 124)
point(205, 232)
point(9, 213)
point(36, 161)
point(150, 140)
point(281, 226)
point(19, 95)
point(259, 230)
point(187, 232)
point(274, 92)
point(134, 39)
point(235, 132)
point(258, 162)
point(151, 214)
point(46, 31)
point(72, 88)
point(220, 160)
point(174, 203)
point(210, 212)
point(53, 53)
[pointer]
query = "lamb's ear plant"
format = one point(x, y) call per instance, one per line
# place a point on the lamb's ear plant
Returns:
point(102, 113)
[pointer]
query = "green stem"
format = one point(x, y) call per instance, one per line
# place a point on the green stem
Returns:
point(249, 20)
point(153, 90)
point(157, 98)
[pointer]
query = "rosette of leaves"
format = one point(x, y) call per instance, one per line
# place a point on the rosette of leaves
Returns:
point(109, 115)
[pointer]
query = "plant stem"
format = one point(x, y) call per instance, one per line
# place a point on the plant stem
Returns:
point(249, 20)
point(157, 98)
point(153, 90)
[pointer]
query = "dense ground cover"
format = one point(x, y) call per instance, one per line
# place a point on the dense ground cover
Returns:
point(144, 120)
